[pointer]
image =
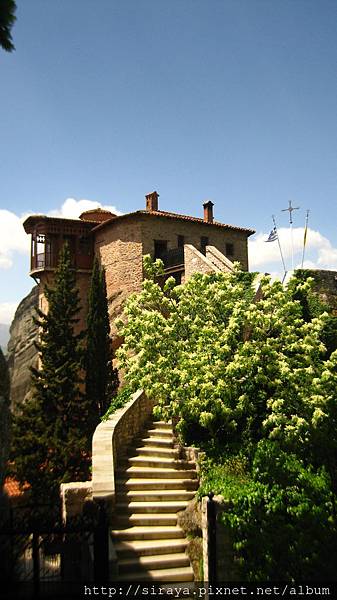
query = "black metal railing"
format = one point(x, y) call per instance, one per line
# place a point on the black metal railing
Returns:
point(173, 257)
point(40, 553)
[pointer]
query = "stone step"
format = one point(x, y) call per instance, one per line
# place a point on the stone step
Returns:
point(148, 533)
point(161, 433)
point(151, 562)
point(179, 574)
point(150, 547)
point(161, 424)
point(154, 451)
point(152, 485)
point(156, 484)
point(158, 462)
point(143, 519)
point(151, 507)
point(138, 471)
point(156, 441)
point(154, 495)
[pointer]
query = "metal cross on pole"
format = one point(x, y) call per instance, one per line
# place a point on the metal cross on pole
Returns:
point(290, 209)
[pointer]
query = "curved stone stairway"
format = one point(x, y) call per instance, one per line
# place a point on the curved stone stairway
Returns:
point(152, 485)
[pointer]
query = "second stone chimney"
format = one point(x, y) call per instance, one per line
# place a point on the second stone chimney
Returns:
point(152, 201)
point(208, 212)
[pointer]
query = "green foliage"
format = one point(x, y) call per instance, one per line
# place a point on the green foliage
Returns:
point(7, 20)
point(101, 377)
point(222, 362)
point(249, 380)
point(51, 434)
point(312, 306)
point(229, 478)
point(283, 520)
point(120, 399)
point(324, 420)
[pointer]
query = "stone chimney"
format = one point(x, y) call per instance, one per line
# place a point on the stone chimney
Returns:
point(152, 201)
point(208, 212)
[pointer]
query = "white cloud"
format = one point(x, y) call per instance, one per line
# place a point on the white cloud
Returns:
point(7, 311)
point(13, 238)
point(71, 208)
point(319, 252)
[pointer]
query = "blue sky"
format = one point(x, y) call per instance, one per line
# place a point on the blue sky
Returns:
point(233, 101)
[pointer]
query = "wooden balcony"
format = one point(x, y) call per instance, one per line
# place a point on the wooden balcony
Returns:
point(49, 261)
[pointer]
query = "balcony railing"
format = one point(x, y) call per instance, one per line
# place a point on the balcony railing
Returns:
point(50, 261)
point(43, 260)
point(173, 258)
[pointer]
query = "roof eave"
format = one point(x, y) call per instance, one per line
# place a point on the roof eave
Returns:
point(187, 218)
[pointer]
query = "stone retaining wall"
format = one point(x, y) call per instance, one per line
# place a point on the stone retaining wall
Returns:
point(226, 569)
point(218, 259)
point(195, 262)
point(111, 441)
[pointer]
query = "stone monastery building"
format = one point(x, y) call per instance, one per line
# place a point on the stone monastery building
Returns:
point(185, 244)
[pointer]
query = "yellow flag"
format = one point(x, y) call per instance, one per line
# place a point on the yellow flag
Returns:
point(305, 235)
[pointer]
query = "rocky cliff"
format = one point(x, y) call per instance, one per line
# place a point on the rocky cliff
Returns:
point(22, 353)
point(4, 337)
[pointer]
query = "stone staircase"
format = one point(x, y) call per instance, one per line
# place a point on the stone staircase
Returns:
point(152, 485)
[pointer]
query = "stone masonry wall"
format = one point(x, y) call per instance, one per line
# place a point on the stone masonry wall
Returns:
point(219, 259)
point(196, 262)
point(119, 249)
point(161, 228)
point(226, 569)
point(82, 282)
point(111, 441)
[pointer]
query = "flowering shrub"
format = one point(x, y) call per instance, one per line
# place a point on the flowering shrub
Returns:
point(246, 377)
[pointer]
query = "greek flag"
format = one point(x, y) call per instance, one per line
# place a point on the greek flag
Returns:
point(272, 236)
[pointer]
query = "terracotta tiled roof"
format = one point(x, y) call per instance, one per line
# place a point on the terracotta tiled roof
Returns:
point(13, 489)
point(175, 216)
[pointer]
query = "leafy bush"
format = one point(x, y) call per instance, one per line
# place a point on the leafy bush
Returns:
point(283, 520)
point(249, 380)
point(227, 479)
point(122, 397)
point(222, 362)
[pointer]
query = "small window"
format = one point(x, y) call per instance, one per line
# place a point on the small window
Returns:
point(160, 247)
point(181, 241)
point(204, 241)
point(84, 246)
point(229, 249)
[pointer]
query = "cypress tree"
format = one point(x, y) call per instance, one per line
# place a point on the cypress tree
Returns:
point(4, 416)
point(51, 433)
point(101, 377)
point(7, 20)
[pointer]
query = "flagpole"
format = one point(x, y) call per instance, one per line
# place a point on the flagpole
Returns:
point(305, 236)
point(290, 209)
point(279, 245)
point(292, 245)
